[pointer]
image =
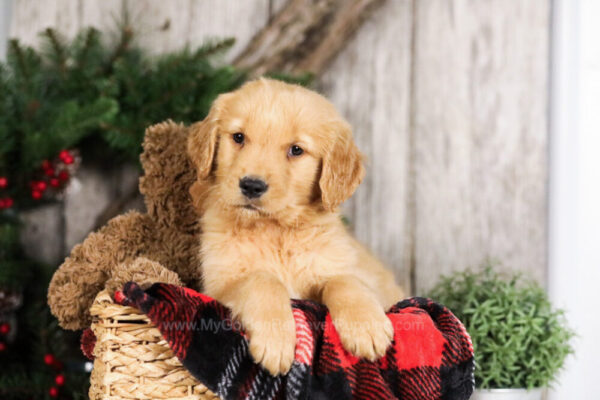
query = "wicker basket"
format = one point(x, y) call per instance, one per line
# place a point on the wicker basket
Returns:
point(133, 361)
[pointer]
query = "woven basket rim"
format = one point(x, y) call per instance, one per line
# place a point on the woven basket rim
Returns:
point(133, 360)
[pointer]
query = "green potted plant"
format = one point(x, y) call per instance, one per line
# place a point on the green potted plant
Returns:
point(520, 341)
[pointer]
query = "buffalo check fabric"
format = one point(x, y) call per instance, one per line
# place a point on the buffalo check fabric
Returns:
point(431, 356)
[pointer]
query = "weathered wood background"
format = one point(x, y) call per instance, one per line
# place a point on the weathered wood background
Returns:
point(448, 99)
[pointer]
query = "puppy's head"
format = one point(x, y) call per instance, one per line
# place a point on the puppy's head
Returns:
point(271, 149)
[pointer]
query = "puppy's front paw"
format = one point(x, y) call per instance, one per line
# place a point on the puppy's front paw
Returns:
point(366, 333)
point(273, 344)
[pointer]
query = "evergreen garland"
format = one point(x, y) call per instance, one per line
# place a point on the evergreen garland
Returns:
point(94, 91)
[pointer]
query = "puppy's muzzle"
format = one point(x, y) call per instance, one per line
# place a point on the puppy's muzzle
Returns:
point(253, 188)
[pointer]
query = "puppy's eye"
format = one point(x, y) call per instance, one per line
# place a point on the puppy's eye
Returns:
point(238, 138)
point(295, 151)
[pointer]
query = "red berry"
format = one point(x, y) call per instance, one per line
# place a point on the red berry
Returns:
point(2, 204)
point(2, 346)
point(60, 379)
point(63, 176)
point(3, 182)
point(41, 186)
point(49, 171)
point(54, 182)
point(4, 329)
point(49, 359)
point(53, 391)
point(64, 154)
point(46, 165)
point(68, 160)
point(36, 194)
point(8, 202)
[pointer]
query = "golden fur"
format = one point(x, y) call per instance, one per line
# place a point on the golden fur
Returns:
point(289, 243)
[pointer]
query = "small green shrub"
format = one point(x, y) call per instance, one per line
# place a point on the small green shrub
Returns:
point(520, 341)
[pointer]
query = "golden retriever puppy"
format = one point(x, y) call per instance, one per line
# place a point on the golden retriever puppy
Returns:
point(274, 162)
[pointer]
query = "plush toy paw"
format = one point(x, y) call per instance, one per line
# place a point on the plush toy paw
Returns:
point(273, 344)
point(365, 332)
point(71, 294)
point(144, 272)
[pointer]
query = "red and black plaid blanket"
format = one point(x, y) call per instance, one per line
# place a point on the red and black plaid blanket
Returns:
point(431, 356)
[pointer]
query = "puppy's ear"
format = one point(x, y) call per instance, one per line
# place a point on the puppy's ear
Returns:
point(202, 139)
point(342, 169)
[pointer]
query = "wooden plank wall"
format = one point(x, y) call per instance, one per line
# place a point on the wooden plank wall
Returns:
point(480, 135)
point(370, 84)
point(5, 14)
point(162, 25)
point(448, 99)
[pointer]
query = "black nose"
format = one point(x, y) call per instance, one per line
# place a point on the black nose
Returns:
point(252, 187)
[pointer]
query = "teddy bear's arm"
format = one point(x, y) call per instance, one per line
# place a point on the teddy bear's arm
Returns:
point(91, 264)
point(142, 271)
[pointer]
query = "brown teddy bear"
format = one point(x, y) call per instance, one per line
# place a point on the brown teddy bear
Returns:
point(159, 246)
